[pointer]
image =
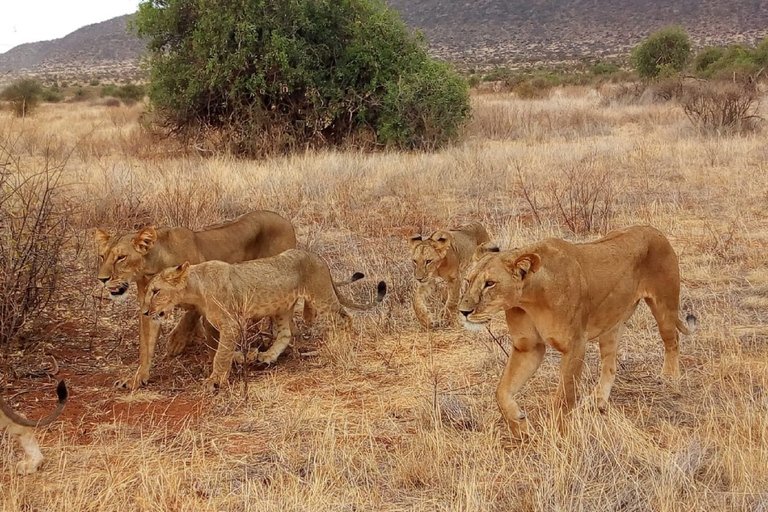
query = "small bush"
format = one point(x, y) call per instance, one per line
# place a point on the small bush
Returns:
point(665, 52)
point(533, 89)
point(24, 95)
point(82, 94)
point(51, 95)
point(33, 230)
point(735, 62)
point(721, 107)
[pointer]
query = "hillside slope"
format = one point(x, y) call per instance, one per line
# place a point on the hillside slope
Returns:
point(469, 31)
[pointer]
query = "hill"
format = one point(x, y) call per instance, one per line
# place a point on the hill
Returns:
point(470, 32)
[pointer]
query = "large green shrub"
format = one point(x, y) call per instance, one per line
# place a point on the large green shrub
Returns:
point(736, 61)
point(24, 95)
point(662, 54)
point(297, 73)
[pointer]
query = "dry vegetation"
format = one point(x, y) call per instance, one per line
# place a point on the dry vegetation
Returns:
point(395, 418)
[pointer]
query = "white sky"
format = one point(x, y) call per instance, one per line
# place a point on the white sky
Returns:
point(27, 21)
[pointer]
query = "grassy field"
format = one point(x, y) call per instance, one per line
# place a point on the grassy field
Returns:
point(371, 423)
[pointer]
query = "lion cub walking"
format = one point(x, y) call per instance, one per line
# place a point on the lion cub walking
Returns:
point(445, 255)
point(229, 295)
point(21, 428)
point(562, 294)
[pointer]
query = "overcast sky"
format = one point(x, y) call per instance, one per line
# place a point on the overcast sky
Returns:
point(27, 21)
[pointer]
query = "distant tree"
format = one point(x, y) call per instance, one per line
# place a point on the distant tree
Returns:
point(298, 73)
point(663, 53)
point(24, 95)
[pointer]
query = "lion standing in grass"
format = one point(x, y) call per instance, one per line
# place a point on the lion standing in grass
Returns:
point(444, 255)
point(562, 294)
point(21, 428)
point(136, 257)
point(231, 295)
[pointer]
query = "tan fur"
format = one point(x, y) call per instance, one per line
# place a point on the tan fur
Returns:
point(562, 294)
point(231, 295)
point(444, 255)
point(136, 257)
point(20, 428)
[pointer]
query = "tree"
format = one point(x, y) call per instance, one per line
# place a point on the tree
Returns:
point(284, 74)
point(663, 53)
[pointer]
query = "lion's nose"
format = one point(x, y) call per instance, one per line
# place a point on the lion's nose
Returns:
point(104, 279)
point(466, 313)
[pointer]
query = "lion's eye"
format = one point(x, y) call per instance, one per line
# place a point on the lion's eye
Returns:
point(490, 284)
point(428, 262)
point(120, 258)
point(101, 256)
point(154, 292)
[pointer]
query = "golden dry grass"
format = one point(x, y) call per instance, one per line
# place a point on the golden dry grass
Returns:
point(360, 426)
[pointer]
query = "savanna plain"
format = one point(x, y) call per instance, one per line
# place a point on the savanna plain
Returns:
point(390, 416)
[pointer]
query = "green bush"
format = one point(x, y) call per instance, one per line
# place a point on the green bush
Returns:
point(24, 95)
point(663, 54)
point(736, 61)
point(300, 72)
point(51, 95)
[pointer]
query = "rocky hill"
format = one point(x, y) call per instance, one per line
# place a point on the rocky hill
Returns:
point(468, 31)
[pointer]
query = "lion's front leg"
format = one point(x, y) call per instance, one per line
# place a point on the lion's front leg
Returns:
point(148, 333)
point(571, 364)
point(452, 304)
point(525, 359)
point(423, 289)
point(182, 334)
point(229, 333)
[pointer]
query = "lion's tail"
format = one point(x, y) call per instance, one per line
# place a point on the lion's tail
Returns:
point(381, 292)
point(355, 277)
point(691, 322)
point(61, 391)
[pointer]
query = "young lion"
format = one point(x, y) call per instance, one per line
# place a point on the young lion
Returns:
point(20, 428)
point(136, 257)
point(229, 295)
point(444, 255)
point(562, 294)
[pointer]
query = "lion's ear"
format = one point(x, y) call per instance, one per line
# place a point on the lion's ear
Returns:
point(483, 249)
point(180, 273)
point(415, 240)
point(102, 239)
point(144, 240)
point(442, 238)
point(526, 263)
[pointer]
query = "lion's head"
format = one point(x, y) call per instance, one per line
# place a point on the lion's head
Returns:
point(163, 291)
point(123, 258)
point(428, 254)
point(495, 284)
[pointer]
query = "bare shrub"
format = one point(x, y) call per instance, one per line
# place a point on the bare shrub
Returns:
point(721, 107)
point(33, 230)
point(582, 198)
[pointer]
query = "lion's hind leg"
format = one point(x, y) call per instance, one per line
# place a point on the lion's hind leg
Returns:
point(283, 322)
point(666, 316)
point(33, 456)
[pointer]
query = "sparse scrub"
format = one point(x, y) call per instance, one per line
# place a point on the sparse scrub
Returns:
point(34, 230)
point(721, 107)
point(328, 74)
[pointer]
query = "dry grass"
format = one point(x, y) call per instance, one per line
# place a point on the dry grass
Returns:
point(394, 418)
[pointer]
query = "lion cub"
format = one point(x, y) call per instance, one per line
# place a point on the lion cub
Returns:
point(445, 255)
point(229, 295)
point(19, 427)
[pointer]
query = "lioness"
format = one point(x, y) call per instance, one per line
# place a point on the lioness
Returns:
point(136, 257)
point(230, 295)
point(562, 294)
point(19, 427)
point(445, 255)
